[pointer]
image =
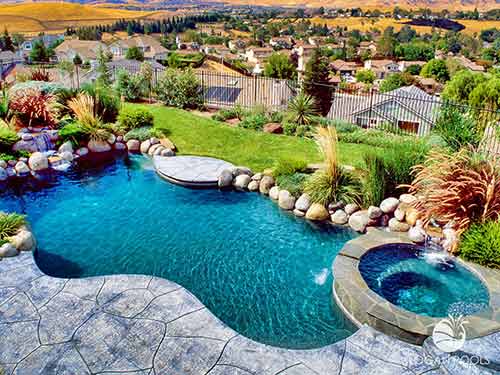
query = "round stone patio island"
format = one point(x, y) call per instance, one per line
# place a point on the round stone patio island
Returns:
point(191, 171)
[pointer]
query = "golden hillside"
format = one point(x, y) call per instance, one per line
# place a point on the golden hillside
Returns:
point(54, 17)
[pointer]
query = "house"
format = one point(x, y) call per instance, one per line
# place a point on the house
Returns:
point(370, 47)
point(238, 44)
point(429, 85)
point(407, 108)
point(281, 43)
point(216, 49)
point(88, 50)
point(344, 68)
point(47, 40)
point(469, 64)
point(382, 68)
point(8, 61)
point(257, 54)
point(150, 47)
point(403, 65)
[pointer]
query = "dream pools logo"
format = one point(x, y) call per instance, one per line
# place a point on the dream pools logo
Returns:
point(449, 334)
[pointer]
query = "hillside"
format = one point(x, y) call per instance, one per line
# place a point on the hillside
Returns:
point(52, 17)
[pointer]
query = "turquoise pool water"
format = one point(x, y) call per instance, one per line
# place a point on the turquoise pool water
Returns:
point(425, 283)
point(262, 271)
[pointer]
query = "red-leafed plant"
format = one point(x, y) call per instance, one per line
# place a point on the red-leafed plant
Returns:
point(40, 75)
point(34, 108)
point(462, 188)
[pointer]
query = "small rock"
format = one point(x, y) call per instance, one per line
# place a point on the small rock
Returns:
point(266, 184)
point(68, 156)
point(119, 138)
point(120, 146)
point(257, 177)
point(389, 205)
point(10, 171)
point(65, 147)
point(274, 128)
point(225, 179)
point(8, 250)
point(412, 215)
point(417, 234)
point(286, 200)
point(359, 221)
point(400, 214)
point(23, 240)
point(154, 141)
point(12, 163)
point(303, 203)
point(374, 212)
point(274, 193)
point(332, 207)
point(3, 164)
point(111, 139)
point(384, 220)
point(82, 151)
point(98, 146)
point(253, 186)
point(241, 170)
point(351, 208)
point(299, 213)
point(241, 182)
point(153, 149)
point(22, 168)
point(23, 159)
point(397, 226)
point(159, 150)
point(26, 137)
point(340, 217)
point(144, 148)
point(317, 212)
point(3, 174)
point(168, 152)
point(38, 161)
point(134, 145)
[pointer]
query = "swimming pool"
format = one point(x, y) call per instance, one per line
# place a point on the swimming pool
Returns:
point(262, 271)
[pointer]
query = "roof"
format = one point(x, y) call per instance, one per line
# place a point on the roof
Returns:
point(8, 56)
point(344, 65)
point(143, 41)
point(86, 49)
point(381, 63)
point(132, 66)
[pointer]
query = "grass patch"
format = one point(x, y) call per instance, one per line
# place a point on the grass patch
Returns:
point(10, 223)
point(197, 135)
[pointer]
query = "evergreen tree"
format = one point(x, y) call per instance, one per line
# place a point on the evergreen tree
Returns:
point(316, 80)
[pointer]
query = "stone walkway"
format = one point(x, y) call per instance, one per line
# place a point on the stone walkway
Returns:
point(145, 325)
point(191, 171)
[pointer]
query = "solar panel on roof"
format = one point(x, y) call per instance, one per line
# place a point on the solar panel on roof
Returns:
point(222, 94)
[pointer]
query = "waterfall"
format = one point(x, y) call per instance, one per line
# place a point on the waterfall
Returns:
point(43, 142)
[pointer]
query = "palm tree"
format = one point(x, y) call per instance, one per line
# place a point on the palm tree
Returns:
point(302, 109)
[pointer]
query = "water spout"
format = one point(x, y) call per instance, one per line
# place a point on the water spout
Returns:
point(43, 142)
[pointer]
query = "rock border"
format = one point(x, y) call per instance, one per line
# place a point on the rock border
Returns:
point(23, 240)
point(364, 306)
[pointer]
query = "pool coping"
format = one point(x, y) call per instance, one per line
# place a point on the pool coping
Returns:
point(364, 306)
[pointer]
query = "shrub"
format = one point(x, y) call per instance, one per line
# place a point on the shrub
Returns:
point(7, 139)
point(39, 74)
point(34, 108)
point(481, 244)
point(457, 129)
point(180, 89)
point(7, 157)
point(334, 183)
point(74, 133)
point(132, 118)
point(463, 188)
point(345, 127)
point(374, 185)
point(44, 87)
point(286, 167)
point(130, 86)
point(10, 223)
point(294, 183)
point(83, 107)
point(141, 134)
point(230, 113)
point(302, 109)
point(106, 101)
point(255, 122)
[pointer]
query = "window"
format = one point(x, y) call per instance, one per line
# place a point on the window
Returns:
point(408, 126)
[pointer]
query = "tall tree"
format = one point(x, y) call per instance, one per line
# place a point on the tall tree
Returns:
point(279, 66)
point(316, 80)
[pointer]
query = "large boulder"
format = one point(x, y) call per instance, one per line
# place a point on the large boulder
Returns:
point(266, 183)
point(359, 221)
point(65, 147)
point(340, 217)
point(3, 164)
point(154, 141)
point(23, 240)
point(241, 170)
point(22, 168)
point(412, 216)
point(144, 148)
point(82, 151)
point(253, 185)
point(257, 176)
point(299, 213)
point(317, 212)
point(38, 161)
point(111, 139)
point(154, 148)
point(99, 146)
point(241, 182)
point(167, 152)
point(274, 193)
point(351, 208)
point(273, 127)
point(389, 205)
point(417, 233)
point(167, 143)
point(303, 203)
point(286, 200)
point(374, 212)
point(225, 179)
point(3, 174)
point(134, 145)
point(8, 250)
point(120, 146)
point(397, 226)
point(400, 213)
point(67, 156)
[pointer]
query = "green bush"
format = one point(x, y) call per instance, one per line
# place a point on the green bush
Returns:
point(106, 101)
point(130, 86)
point(141, 134)
point(180, 89)
point(7, 157)
point(371, 137)
point(345, 127)
point(7, 139)
point(294, 183)
point(133, 118)
point(74, 133)
point(374, 186)
point(10, 223)
point(286, 167)
point(481, 244)
point(229, 113)
point(457, 129)
point(254, 122)
point(325, 188)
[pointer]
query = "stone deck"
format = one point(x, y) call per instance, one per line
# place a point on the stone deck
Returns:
point(144, 325)
point(191, 171)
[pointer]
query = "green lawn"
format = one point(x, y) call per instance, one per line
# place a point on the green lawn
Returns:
point(197, 135)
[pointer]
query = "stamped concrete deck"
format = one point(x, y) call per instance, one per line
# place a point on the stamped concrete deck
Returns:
point(145, 325)
point(191, 171)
